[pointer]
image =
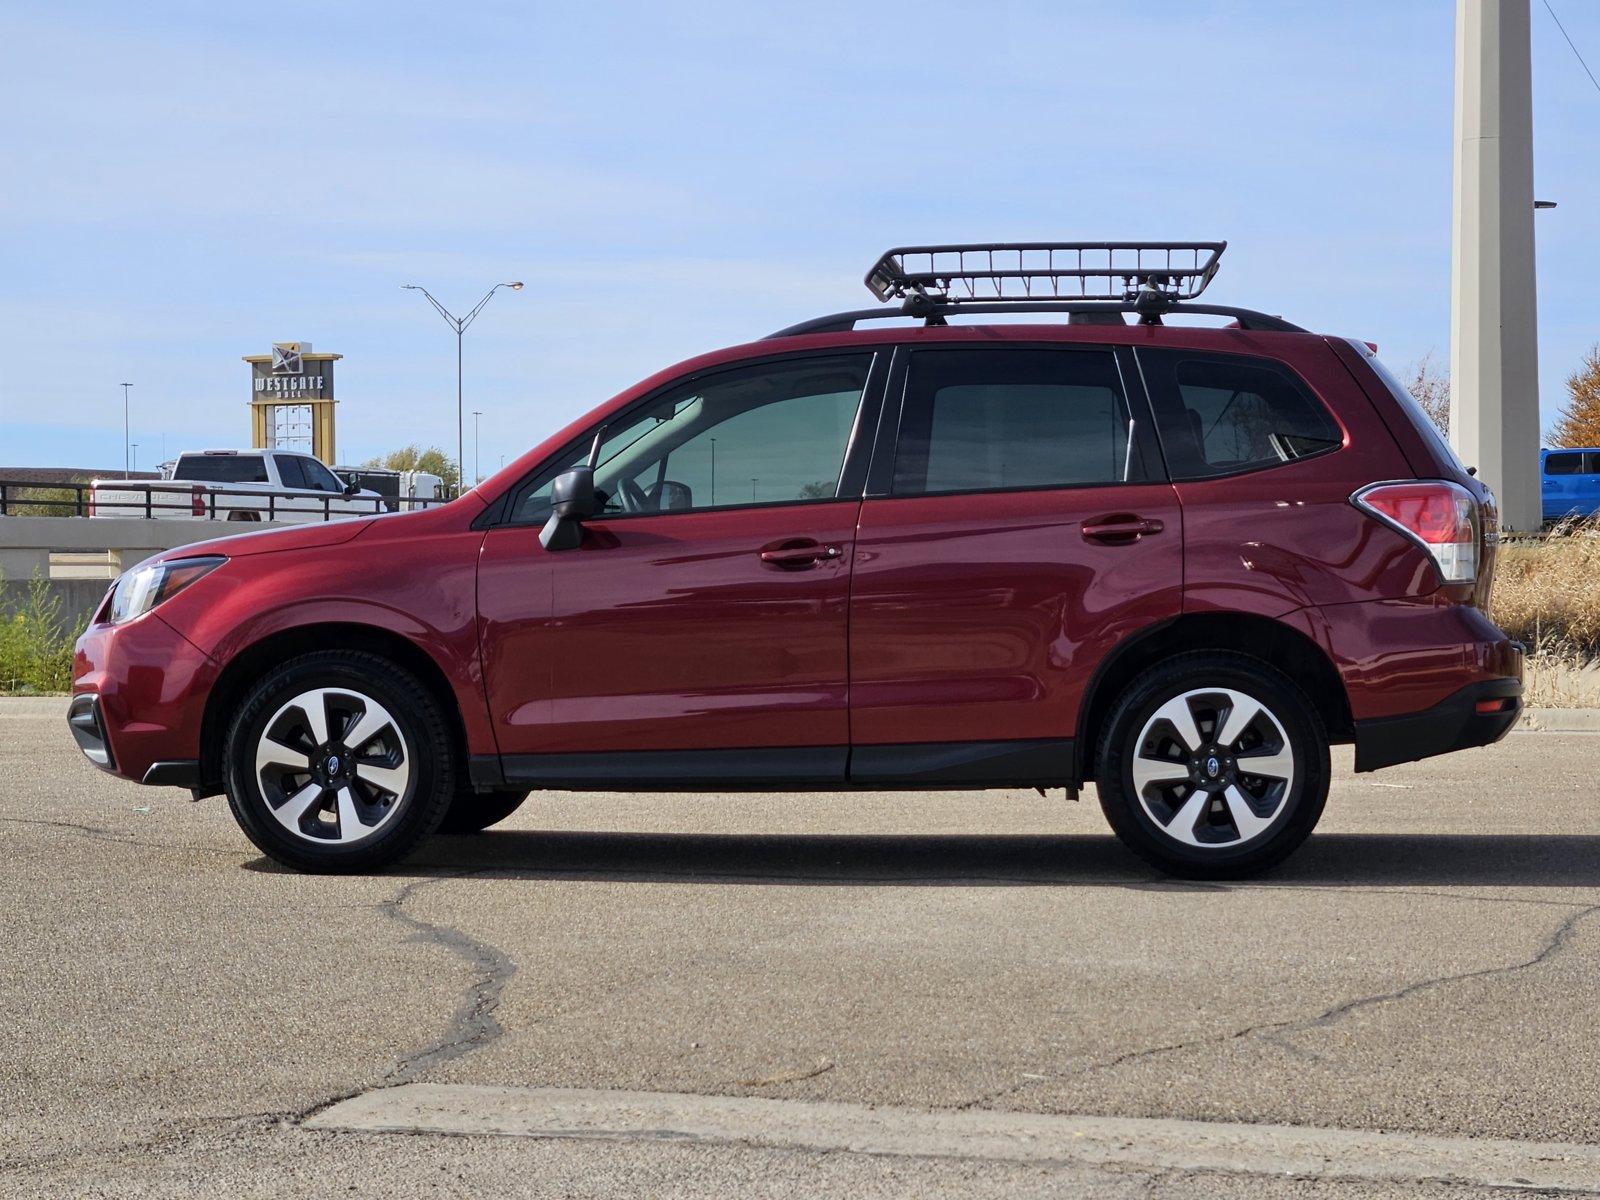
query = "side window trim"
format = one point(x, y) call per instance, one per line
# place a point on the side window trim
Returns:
point(499, 515)
point(880, 481)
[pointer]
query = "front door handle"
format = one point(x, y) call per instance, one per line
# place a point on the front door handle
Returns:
point(1120, 528)
point(797, 554)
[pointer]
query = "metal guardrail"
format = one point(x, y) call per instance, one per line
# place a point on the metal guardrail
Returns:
point(21, 498)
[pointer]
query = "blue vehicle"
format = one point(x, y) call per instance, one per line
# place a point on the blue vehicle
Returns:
point(1569, 481)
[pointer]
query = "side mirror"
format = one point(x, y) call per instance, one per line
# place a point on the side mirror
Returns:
point(351, 488)
point(572, 499)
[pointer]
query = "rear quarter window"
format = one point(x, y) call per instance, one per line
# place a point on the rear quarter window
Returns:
point(1228, 414)
point(222, 468)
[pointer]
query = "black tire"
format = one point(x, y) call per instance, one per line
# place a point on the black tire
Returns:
point(473, 811)
point(400, 820)
point(1227, 848)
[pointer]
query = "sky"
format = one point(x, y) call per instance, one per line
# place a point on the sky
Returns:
point(182, 184)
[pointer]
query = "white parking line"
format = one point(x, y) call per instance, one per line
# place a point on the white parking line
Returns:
point(974, 1134)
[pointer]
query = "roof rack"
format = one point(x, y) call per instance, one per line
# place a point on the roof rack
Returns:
point(1093, 282)
point(989, 271)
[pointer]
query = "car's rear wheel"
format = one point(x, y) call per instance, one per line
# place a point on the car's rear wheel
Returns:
point(1213, 765)
point(339, 761)
point(473, 811)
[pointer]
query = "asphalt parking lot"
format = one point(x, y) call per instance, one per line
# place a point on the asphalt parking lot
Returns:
point(940, 990)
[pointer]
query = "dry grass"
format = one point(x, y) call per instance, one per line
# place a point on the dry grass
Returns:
point(1547, 594)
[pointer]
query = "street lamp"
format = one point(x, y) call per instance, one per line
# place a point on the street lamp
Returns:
point(459, 324)
point(477, 472)
point(133, 459)
point(127, 455)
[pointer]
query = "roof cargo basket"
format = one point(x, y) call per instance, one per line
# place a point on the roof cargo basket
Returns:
point(991, 271)
point(1091, 282)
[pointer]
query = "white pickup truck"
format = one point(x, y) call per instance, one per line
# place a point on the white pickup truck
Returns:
point(238, 485)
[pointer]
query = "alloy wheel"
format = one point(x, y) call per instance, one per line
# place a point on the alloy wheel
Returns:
point(1213, 768)
point(333, 766)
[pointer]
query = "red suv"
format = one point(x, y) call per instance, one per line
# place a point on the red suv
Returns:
point(1177, 561)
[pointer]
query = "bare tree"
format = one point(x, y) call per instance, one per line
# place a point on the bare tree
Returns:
point(1430, 384)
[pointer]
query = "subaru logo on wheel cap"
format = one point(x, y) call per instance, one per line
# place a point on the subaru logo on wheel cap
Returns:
point(1213, 767)
point(333, 764)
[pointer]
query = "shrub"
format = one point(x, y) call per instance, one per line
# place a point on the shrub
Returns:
point(35, 646)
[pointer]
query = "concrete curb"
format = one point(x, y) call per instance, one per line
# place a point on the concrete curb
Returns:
point(1560, 720)
point(33, 706)
point(1146, 1143)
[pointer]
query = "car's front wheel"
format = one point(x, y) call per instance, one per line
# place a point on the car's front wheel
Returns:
point(1213, 765)
point(339, 761)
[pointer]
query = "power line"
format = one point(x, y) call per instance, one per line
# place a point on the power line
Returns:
point(1573, 44)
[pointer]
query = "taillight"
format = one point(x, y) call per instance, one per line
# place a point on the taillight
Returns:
point(197, 502)
point(1439, 516)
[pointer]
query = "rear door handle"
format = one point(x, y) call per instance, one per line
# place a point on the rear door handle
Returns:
point(1121, 528)
point(796, 554)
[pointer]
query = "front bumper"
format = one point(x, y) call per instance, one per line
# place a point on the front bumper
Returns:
point(138, 703)
point(1478, 715)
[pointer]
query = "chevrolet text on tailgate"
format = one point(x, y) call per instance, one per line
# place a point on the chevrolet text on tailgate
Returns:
point(1173, 559)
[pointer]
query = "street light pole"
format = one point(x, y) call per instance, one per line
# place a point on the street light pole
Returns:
point(460, 324)
point(1494, 334)
point(127, 455)
point(477, 460)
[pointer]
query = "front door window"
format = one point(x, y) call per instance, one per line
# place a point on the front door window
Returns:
point(775, 433)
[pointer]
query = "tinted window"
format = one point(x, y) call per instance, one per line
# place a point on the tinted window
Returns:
point(222, 468)
point(319, 477)
point(289, 471)
point(1564, 464)
point(979, 420)
point(1223, 415)
point(769, 434)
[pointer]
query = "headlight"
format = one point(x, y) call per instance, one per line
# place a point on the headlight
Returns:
point(141, 589)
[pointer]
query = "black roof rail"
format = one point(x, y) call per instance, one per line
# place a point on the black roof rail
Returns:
point(1095, 281)
point(935, 314)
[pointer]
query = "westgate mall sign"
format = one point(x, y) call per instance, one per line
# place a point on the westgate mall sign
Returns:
point(292, 374)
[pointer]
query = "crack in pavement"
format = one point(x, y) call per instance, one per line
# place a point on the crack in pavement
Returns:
point(1556, 942)
point(474, 1024)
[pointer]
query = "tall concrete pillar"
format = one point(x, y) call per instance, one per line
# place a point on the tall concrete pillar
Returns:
point(1494, 351)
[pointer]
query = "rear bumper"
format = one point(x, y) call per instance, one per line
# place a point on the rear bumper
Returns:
point(1478, 715)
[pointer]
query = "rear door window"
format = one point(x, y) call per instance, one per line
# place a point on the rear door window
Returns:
point(1013, 419)
point(290, 471)
point(1228, 414)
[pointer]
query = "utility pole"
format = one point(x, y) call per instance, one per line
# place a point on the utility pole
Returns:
point(477, 473)
point(127, 454)
point(1494, 348)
